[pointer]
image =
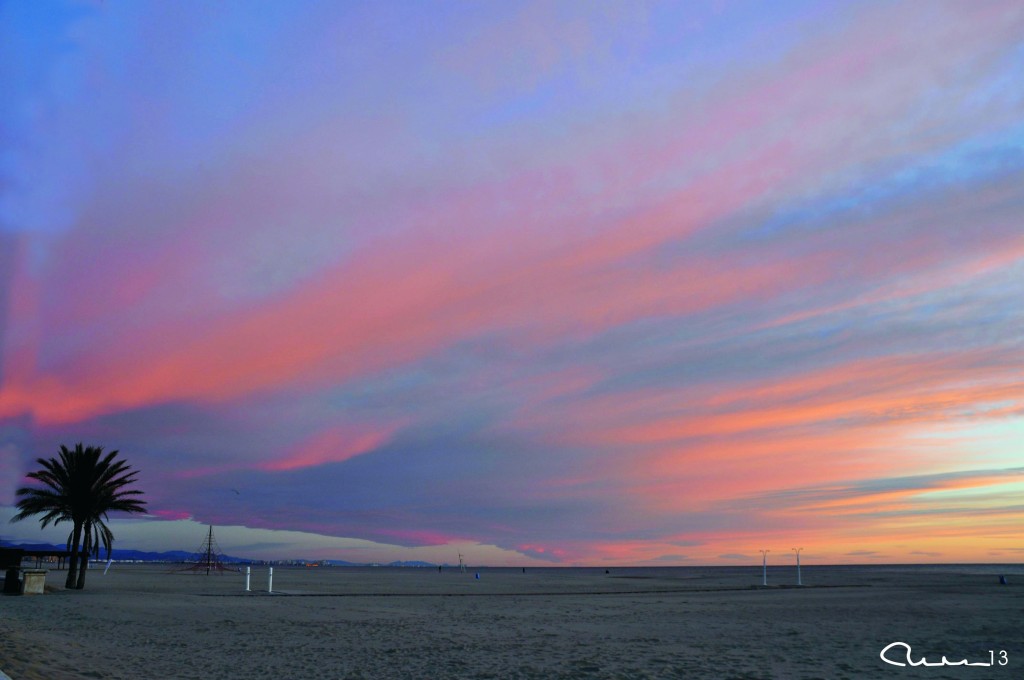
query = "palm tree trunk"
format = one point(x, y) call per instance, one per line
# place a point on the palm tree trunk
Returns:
point(86, 549)
point(76, 536)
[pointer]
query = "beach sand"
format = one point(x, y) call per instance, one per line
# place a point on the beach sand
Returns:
point(139, 621)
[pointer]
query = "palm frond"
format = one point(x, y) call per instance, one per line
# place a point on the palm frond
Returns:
point(80, 486)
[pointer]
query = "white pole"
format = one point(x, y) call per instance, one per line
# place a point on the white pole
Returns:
point(764, 566)
point(797, 551)
point(248, 573)
point(270, 581)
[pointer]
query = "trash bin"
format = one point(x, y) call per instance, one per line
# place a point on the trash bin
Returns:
point(10, 563)
point(12, 581)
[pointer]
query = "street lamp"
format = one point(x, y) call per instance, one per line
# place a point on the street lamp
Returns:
point(764, 566)
point(797, 551)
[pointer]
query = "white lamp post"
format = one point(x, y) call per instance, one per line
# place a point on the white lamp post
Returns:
point(764, 566)
point(797, 551)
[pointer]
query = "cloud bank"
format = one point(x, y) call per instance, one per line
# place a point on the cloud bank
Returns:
point(581, 285)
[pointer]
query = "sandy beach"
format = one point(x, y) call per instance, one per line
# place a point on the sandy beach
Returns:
point(139, 621)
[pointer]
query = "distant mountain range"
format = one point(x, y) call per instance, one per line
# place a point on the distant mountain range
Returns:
point(118, 554)
point(184, 556)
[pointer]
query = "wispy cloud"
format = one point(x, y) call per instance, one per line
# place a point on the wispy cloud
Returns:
point(586, 284)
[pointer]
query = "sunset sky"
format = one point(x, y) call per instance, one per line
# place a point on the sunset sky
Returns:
point(544, 283)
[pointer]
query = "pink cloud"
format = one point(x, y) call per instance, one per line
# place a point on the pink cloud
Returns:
point(419, 537)
point(334, 445)
point(405, 297)
point(168, 514)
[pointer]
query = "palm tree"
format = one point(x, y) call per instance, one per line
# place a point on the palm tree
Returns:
point(81, 487)
point(96, 532)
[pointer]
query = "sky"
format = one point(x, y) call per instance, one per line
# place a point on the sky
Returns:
point(542, 283)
